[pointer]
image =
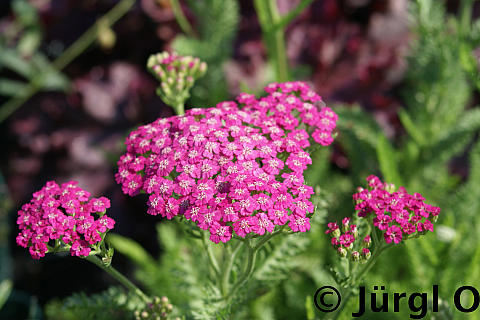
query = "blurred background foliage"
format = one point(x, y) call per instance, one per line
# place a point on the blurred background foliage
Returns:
point(403, 77)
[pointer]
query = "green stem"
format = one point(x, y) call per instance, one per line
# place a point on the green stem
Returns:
point(118, 276)
point(285, 21)
point(273, 35)
point(357, 278)
point(211, 258)
point(181, 19)
point(180, 108)
point(86, 39)
point(77, 48)
point(273, 29)
point(14, 103)
point(227, 269)
point(250, 264)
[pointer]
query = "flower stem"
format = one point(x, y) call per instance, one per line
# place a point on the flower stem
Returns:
point(358, 277)
point(273, 35)
point(180, 108)
point(227, 269)
point(247, 272)
point(181, 19)
point(273, 29)
point(118, 276)
point(211, 258)
point(250, 262)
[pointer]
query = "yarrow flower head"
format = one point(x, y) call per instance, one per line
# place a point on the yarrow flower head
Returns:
point(176, 74)
point(63, 217)
point(397, 215)
point(236, 169)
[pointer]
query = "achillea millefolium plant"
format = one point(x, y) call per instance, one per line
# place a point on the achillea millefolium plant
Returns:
point(233, 174)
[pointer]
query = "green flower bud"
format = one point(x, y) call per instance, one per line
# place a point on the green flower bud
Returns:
point(390, 187)
point(355, 256)
point(342, 252)
point(366, 254)
point(177, 74)
point(367, 241)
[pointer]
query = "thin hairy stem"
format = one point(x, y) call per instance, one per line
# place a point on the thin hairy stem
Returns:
point(181, 19)
point(211, 258)
point(118, 276)
point(227, 269)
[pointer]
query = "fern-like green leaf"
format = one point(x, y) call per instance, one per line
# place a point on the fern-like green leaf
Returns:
point(132, 250)
point(279, 263)
point(217, 22)
point(388, 161)
point(114, 303)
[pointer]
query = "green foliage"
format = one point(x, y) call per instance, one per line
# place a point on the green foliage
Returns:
point(358, 135)
point(216, 22)
point(19, 53)
point(439, 125)
point(131, 249)
point(278, 263)
point(114, 303)
point(5, 290)
point(387, 160)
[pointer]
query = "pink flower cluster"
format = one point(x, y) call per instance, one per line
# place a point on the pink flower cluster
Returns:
point(62, 213)
point(231, 169)
point(398, 214)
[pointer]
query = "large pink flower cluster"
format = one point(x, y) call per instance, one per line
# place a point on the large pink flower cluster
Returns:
point(398, 214)
point(63, 215)
point(231, 169)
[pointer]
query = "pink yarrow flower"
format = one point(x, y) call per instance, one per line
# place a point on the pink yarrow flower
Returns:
point(63, 214)
point(236, 169)
point(398, 213)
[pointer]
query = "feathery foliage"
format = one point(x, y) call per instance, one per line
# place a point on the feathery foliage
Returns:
point(216, 22)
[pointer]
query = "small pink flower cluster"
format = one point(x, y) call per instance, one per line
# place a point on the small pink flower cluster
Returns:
point(398, 214)
point(62, 214)
point(344, 241)
point(230, 169)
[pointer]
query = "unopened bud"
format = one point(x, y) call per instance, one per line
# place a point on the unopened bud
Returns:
point(345, 223)
point(367, 241)
point(355, 256)
point(366, 254)
point(390, 187)
point(177, 74)
point(354, 230)
point(336, 233)
point(342, 252)
point(203, 67)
